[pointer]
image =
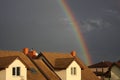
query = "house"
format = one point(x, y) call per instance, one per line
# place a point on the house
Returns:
point(115, 71)
point(107, 70)
point(44, 66)
point(12, 68)
point(101, 69)
point(32, 71)
point(63, 66)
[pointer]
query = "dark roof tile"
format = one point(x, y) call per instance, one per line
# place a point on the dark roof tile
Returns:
point(6, 61)
point(63, 63)
point(102, 64)
point(50, 75)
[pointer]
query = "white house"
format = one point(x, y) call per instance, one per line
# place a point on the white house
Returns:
point(67, 69)
point(115, 71)
point(63, 66)
point(15, 65)
point(107, 70)
point(101, 69)
point(12, 68)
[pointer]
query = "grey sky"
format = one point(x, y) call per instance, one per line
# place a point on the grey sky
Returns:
point(43, 25)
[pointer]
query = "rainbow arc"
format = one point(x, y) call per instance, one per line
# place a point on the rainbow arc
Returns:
point(76, 28)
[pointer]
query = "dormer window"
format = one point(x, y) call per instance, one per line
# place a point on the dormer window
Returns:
point(16, 71)
point(73, 71)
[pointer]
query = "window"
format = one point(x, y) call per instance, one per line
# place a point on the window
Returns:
point(73, 71)
point(16, 71)
point(13, 71)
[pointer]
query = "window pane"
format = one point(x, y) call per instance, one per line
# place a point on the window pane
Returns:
point(18, 71)
point(74, 70)
point(13, 71)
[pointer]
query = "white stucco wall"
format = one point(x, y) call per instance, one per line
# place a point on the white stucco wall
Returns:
point(66, 73)
point(2, 75)
point(61, 74)
point(78, 72)
point(115, 73)
point(23, 71)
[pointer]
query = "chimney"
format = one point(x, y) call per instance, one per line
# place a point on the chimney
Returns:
point(33, 53)
point(26, 51)
point(73, 53)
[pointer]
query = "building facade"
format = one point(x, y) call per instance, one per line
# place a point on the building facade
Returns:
point(12, 68)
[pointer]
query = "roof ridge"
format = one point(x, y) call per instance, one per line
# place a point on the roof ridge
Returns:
point(101, 64)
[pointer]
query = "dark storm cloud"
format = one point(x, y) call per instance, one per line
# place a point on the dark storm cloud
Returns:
point(39, 24)
point(43, 25)
point(29, 12)
point(93, 24)
point(104, 42)
point(100, 23)
point(110, 18)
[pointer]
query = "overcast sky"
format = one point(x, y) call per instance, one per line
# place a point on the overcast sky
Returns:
point(43, 25)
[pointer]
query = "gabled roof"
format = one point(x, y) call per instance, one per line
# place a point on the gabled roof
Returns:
point(6, 61)
point(31, 76)
point(63, 63)
point(102, 64)
point(58, 59)
point(16, 53)
point(51, 57)
point(81, 64)
point(63, 58)
point(116, 64)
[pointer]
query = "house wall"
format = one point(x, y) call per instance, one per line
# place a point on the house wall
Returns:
point(23, 71)
point(99, 69)
point(115, 73)
point(69, 76)
point(114, 76)
point(2, 75)
point(61, 74)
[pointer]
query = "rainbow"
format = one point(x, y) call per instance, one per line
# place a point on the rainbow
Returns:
point(76, 29)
